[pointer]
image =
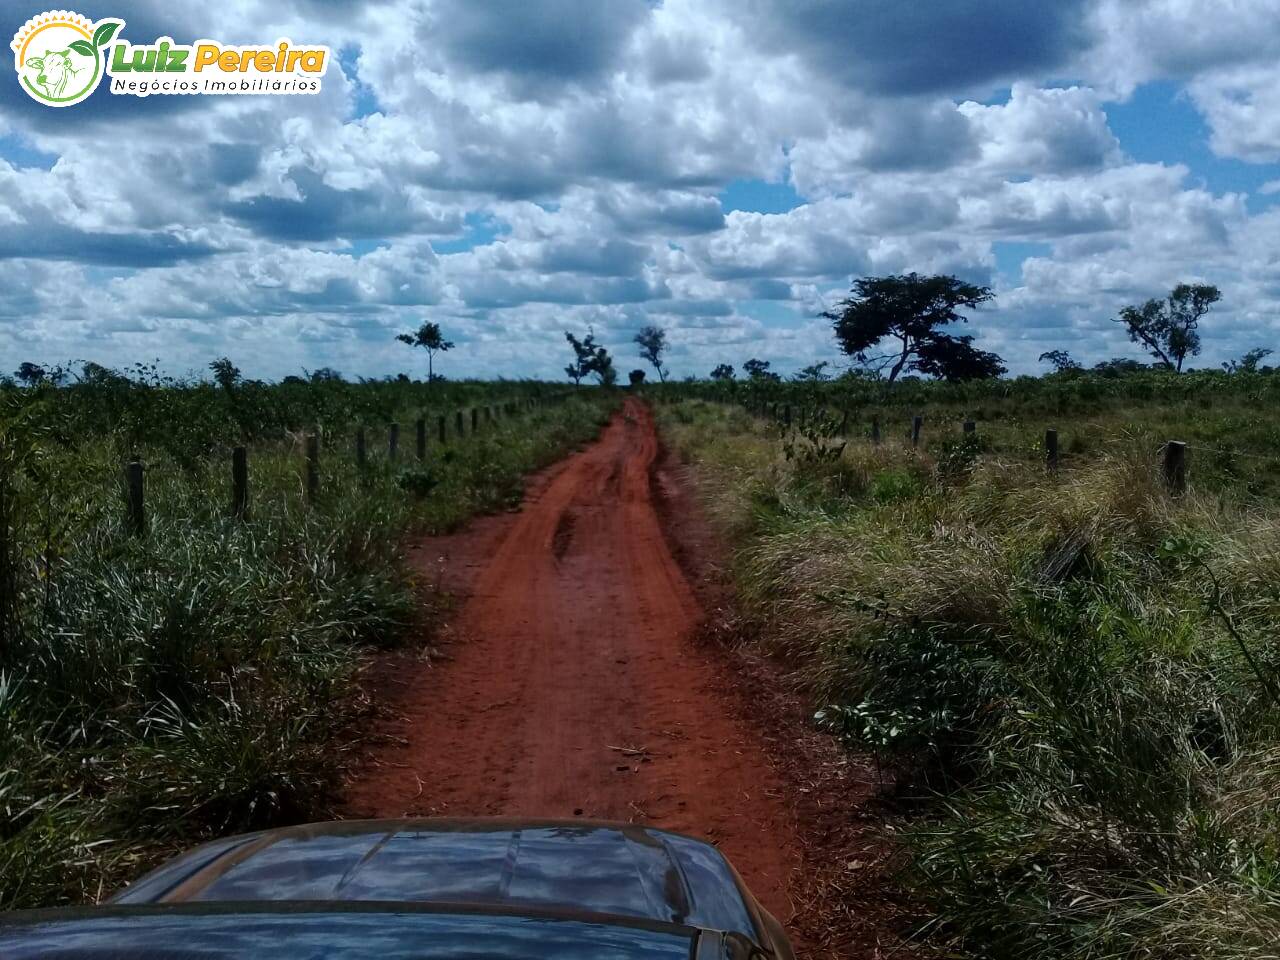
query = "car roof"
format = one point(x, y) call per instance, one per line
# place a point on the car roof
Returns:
point(591, 868)
point(350, 931)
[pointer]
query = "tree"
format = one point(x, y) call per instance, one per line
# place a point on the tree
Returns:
point(759, 370)
point(636, 377)
point(1119, 366)
point(814, 373)
point(956, 359)
point(602, 367)
point(32, 374)
point(584, 352)
point(653, 343)
point(911, 310)
point(590, 358)
point(722, 371)
point(430, 339)
point(1060, 360)
point(225, 373)
point(1169, 328)
point(98, 375)
point(1249, 362)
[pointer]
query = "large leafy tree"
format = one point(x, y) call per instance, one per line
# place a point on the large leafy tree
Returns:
point(905, 316)
point(653, 344)
point(1169, 327)
point(431, 339)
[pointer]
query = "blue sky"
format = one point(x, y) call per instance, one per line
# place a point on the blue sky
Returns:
point(722, 169)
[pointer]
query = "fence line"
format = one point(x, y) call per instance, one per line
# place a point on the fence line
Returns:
point(1173, 465)
point(134, 471)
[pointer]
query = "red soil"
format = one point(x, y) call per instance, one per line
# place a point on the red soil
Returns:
point(577, 688)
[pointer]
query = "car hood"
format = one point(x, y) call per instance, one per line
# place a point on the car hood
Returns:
point(335, 932)
point(586, 868)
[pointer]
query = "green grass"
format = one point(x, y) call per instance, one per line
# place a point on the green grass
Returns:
point(1078, 669)
point(160, 690)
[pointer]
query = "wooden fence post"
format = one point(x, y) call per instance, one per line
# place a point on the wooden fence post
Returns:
point(475, 420)
point(313, 467)
point(441, 422)
point(422, 438)
point(970, 426)
point(1175, 467)
point(239, 483)
point(362, 456)
point(875, 431)
point(393, 441)
point(1051, 449)
point(135, 513)
point(916, 423)
point(458, 421)
point(786, 416)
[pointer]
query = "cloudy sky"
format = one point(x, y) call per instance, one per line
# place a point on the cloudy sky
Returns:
point(722, 168)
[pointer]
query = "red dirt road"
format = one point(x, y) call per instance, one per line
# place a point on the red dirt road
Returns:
point(575, 687)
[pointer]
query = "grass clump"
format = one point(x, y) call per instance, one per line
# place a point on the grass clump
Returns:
point(162, 689)
point(1079, 669)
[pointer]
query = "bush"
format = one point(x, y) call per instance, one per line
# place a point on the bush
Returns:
point(890, 486)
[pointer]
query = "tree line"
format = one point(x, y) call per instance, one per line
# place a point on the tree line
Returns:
point(902, 324)
point(890, 326)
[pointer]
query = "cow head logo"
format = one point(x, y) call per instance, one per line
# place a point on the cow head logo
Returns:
point(59, 56)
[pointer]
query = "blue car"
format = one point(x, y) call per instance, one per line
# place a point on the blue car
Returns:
point(422, 890)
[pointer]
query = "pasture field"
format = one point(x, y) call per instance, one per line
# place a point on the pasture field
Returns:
point(196, 679)
point(1070, 679)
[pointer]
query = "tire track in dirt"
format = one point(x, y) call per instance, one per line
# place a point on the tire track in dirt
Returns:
point(576, 688)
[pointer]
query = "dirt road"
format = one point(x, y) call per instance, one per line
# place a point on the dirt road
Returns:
point(575, 688)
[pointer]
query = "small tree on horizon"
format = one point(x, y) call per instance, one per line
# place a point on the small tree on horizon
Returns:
point(590, 358)
point(636, 377)
point(723, 371)
point(32, 374)
point(430, 338)
point(225, 373)
point(584, 352)
point(1169, 328)
point(1249, 362)
point(653, 343)
point(814, 373)
point(759, 370)
point(909, 312)
point(1060, 360)
point(602, 367)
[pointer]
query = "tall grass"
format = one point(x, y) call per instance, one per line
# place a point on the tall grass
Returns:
point(1079, 669)
point(198, 680)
